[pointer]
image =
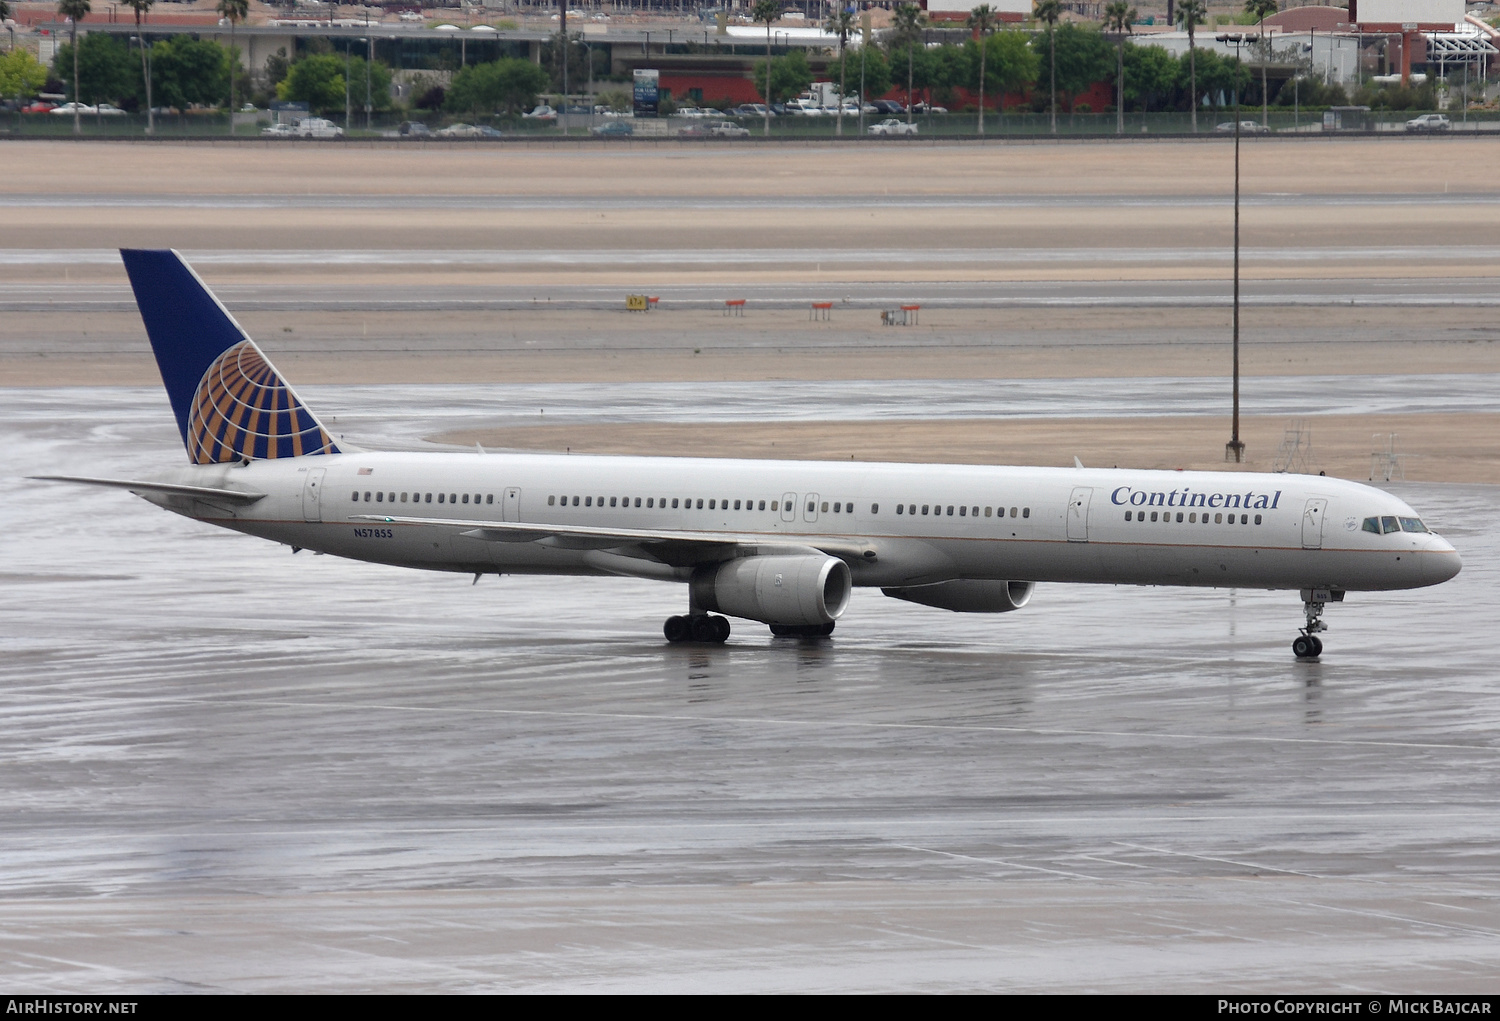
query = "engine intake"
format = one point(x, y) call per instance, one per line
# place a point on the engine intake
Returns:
point(799, 590)
point(968, 596)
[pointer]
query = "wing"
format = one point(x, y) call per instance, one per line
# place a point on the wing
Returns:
point(239, 496)
point(668, 546)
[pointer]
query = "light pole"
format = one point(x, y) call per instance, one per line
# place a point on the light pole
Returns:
point(347, 123)
point(369, 59)
point(1235, 448)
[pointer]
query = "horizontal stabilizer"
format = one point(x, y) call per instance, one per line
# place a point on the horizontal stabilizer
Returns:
point(165, 488)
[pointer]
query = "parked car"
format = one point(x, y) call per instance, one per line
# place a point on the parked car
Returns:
point(108, 110)
point(1429, 122)
point(543, 112)
point(614, 129)
point(1246, 128)
point(727, 129)
point(40, 106)
point(887, 106)
point(892, 126)
point(279, 131)
point(66, 110)
point(413, 129)
point(925, 108)
point(317, 127)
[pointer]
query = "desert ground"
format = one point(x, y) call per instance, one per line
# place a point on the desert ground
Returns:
point(563, 235)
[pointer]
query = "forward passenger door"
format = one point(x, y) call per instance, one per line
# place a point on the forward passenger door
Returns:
point(1078, 514)
point(1312, 523)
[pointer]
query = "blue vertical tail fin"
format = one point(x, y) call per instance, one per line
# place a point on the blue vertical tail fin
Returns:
point(229, 400)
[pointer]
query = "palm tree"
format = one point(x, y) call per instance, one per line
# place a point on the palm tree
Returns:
point(841, 24)
point(141, 7)
point(1050, 11)
point(235, 11)
point(767, 11)
point(1192, 13)
point(1118, 17)
point(982, 22)
point(908, 21)
point(1262, 9)
point(75, 11)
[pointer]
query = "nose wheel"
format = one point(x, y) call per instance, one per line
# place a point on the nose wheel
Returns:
point(699, 628)
point(1308, 645)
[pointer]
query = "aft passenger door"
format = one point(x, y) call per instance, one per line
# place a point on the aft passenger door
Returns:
point(312, 494)
point(1312, 523)
point(510, 506)
point(1078, 514)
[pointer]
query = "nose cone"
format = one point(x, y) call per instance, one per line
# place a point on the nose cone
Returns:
point(1441, 563)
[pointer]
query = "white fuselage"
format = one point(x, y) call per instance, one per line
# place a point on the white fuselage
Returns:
point(955, 521)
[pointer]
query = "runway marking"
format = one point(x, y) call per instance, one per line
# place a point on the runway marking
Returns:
point(1224, 861)
point(1017, 865)
point(811, 724)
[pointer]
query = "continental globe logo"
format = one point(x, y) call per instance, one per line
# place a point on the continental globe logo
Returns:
point(243, 408)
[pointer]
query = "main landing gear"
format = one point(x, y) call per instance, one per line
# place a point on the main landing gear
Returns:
point(1308, 645)
point(700, 628)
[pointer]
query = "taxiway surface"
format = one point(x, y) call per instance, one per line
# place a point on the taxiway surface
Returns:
point(228, 768)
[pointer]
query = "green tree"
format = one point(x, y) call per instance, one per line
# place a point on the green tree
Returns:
point(1151, 75)
point(140, 7)
point(510, 84)
point(790, 74)
point(75, 11)
point(1010, 64)
point(317, 80)
point(1261, 10)
point(841, 24)
point(981, 22)
point(21, 75)
point(908, 22)
point(1220, 76)
point(1118, 17)
point(1080, 57)
point(104, 68)
point(236, 11)
point(1191, 14)
point(189, 72)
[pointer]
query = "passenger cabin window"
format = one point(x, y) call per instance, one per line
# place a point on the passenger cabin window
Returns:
point(874, 508)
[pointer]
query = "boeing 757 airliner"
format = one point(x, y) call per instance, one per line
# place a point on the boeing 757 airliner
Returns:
point(780, 542)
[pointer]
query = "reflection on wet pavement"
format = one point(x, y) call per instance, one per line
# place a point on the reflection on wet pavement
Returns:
point(310, 757)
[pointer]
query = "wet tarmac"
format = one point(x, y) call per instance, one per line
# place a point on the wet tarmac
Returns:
point(231, 768)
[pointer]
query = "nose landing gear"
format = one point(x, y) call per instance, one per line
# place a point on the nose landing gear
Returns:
point(1308, 645)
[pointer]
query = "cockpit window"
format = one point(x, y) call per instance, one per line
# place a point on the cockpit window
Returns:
point(1389, 524)
point(1372, 525)
point(1412, 525)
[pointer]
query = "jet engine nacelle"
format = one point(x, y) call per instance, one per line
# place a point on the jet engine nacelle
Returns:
point(968, 596)
point(798, 590)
